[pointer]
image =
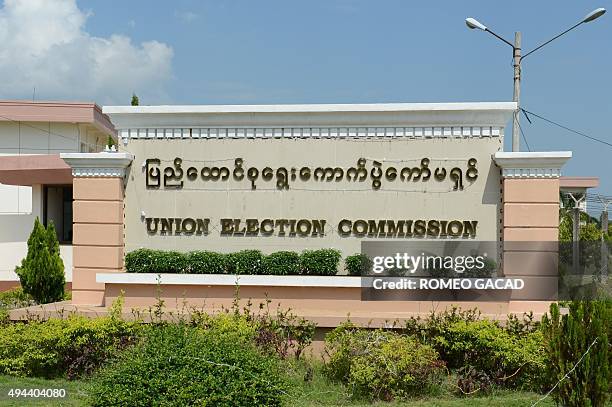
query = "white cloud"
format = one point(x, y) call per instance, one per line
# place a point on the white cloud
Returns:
point(44, 45)
point(186, 16)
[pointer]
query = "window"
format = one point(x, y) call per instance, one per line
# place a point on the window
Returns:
point(57, 208)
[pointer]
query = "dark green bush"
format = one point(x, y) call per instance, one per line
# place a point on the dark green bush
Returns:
point(357, 264)
point(61, 347)
point(322, 262)
point(42, 271)
point(204, 262)
point(155, 261)
point(568, 337)
point(178, 365)
point(282, 263)
point(381, 364)
point(245, 262)
point(310, 262)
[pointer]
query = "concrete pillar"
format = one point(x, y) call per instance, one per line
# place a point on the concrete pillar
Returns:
point(98, 245)
point(530, 219)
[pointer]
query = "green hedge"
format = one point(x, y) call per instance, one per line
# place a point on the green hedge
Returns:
point(245, 262)
point(156, 261)
point(322, 262)
point(203, 262)
point(357, 264)
point(282, 263)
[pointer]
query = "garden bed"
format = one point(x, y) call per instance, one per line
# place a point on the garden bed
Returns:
point(326, 300)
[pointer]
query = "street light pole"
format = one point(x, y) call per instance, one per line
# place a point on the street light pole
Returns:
point(517, 58)
point(516, 95)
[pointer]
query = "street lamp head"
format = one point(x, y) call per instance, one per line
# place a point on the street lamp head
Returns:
point(473, 23)
point(594, 15)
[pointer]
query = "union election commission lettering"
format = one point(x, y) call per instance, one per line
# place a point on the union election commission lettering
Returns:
point(314, 227)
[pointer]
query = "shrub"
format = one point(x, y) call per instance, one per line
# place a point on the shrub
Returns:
point(512, 356)
point(357, 264)
point(204, 262)
point(58, 347)
point(42, 271)
point(177, 365)
point(471, 380)
point(239, 325)
point(282, 263)
point(245, 262)
point(510, 361)
point(155, 261)
point(311, 262)
point(283, 333)
point(15, 298)
point(380, 364)
point(322, 262)
point(568, 337)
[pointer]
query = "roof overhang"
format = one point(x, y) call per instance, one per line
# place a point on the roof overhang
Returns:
point(28, 170)
point(56, 112)
point(577, 184)
point(496, 114)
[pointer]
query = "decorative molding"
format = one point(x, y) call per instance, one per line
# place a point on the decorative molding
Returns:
point(531, 164)
point(531, 172)
point(98, 172)
point(375, 120)
point(310, 132)
point(105, 164)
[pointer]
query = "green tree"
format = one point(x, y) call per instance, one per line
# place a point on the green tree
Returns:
point(585, 328)
point(42, 271)
point(135, 100)
point(589, 229)
point(110, 142)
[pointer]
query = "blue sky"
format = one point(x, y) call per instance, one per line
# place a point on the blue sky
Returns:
point(352, 51)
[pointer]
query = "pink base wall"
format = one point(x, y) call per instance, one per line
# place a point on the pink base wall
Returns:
point(326, 306)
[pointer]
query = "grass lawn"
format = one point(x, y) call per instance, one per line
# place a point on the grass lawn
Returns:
point(318, 392)
point(75, 394)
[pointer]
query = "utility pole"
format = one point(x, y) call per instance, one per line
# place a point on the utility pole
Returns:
point(605, 254)
point(517, 58)
point(604, 247)
point(516, 95)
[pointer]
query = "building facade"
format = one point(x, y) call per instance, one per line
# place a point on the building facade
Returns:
point(34, 180)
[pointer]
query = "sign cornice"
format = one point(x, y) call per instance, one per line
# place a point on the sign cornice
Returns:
point(104, 164)
point(531, 164)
